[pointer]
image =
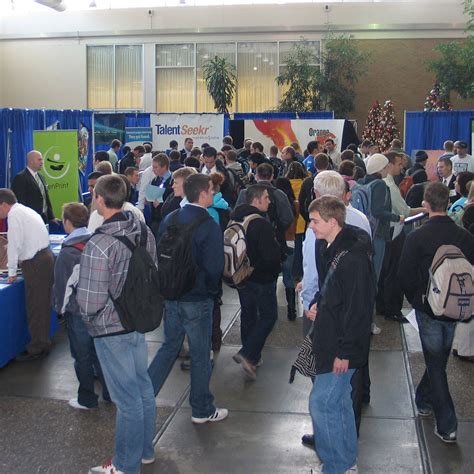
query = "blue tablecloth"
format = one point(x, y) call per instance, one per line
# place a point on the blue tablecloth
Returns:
point(14, 334)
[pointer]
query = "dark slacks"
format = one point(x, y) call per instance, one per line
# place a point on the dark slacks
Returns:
point(38, 273)
point(390, 294)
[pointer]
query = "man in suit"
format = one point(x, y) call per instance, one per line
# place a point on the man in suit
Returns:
point(446, 176)
point(31, 189)
point(186, 151)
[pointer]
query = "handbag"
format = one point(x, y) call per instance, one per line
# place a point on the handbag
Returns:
point(305, 362)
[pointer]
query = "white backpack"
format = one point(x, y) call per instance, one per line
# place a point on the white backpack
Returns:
point(450, 289)
point(237, 266)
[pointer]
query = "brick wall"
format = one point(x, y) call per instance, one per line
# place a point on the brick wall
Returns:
point(397, 71)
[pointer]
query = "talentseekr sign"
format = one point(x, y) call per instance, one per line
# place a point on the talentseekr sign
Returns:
point(202, 128)
point(59, 149)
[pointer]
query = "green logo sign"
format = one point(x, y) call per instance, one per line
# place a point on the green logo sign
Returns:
point(60, 150)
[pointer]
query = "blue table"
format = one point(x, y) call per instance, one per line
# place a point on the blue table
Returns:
point(14, 334)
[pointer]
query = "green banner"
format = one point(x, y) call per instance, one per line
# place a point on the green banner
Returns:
point(59, 149)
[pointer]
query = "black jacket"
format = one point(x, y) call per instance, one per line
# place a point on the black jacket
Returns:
point(126, 161)
point(228, 187)
point(421, 176)
point(418, 252)
point(28, 193)
point(305, 197)
point(262, 248)
point(346, 301)
point(172, 203)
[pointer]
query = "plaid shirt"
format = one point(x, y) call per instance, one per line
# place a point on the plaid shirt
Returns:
point(103, 271)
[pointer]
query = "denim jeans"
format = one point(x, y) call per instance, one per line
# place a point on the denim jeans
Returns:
point(433, 391)
point(379, 252)
point(193, 318)
point(335, 436)
point(124, 361)
point(287, 270)
point(258, 315)
point(86, 363)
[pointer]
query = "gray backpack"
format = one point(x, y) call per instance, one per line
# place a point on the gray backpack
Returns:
point(450, 289)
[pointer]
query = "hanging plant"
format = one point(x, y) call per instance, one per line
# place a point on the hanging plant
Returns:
point(220, 78)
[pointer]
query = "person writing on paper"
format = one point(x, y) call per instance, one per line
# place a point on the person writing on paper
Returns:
point(390, 295)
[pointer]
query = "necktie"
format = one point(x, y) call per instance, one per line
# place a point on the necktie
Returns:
point(42, 190)
point(445, 181)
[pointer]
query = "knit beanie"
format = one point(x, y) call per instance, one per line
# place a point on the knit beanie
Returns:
point(376, 163)
point(421, 156)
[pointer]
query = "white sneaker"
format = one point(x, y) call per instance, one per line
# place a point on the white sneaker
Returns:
point(106, 468)
point(148, 461)
point(375, 330)
point(75, 404)
point(259, 363)
point(352, 470)
point(219, 415)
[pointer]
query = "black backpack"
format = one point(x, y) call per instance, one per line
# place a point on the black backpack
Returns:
point(140, 305)
point(177, 269)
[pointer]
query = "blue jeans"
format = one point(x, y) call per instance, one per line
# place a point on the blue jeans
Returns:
point(335, 436)
point(433, 391)
point(86, 362)
point(193, 318)
point(258, 315)
point(379, 252)
point(124, 363)
point(287, 270)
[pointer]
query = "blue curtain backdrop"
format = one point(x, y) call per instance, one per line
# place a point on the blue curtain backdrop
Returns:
point(21, 122)
point(428, 130)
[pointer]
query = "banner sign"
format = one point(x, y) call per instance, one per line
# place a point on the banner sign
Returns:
point(202, 128)
point(59, 149)
point(135, 136)
point(285, 132)
point(108, 127)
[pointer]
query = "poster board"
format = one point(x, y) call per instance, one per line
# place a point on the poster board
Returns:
point(60, 150)
point(202, 128)
point(284, 132)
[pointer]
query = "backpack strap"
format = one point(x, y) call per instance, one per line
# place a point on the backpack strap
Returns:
point(127, 242)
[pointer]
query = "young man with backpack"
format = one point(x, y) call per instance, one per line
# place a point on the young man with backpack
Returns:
point(257, 294)
point(371, 196)
point(190, 264)
point(279, 213)
point(436, 332)
point(66, 274)
point(105, 266)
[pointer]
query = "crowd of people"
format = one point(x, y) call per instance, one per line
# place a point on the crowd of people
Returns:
point(332, 223)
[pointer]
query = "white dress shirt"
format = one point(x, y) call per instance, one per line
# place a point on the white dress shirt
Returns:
point(146, 177)
point(206, 170)
point(27, 235)
point(145, 162)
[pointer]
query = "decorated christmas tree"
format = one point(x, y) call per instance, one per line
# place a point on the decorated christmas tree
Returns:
point(372, 125)
point(388, 126)
point(437, 99)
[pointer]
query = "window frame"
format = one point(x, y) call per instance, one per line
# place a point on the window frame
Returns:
point(114, 74)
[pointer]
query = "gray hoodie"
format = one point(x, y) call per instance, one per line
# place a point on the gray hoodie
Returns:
point(103, 270)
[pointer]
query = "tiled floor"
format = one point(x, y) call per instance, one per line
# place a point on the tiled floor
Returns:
point(41, 434)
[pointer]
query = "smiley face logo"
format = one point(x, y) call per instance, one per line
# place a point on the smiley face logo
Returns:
point(55, 167)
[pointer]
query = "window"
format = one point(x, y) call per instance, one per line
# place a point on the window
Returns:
point(175, 78)
point(180, 85)
point(204, 53)
point(115, 77)
point(257, 69)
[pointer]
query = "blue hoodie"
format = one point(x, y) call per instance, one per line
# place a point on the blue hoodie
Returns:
point(219, 203)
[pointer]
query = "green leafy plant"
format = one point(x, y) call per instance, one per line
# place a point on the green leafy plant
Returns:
point(454, 67)
point(221, 80)
point(330, 86)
